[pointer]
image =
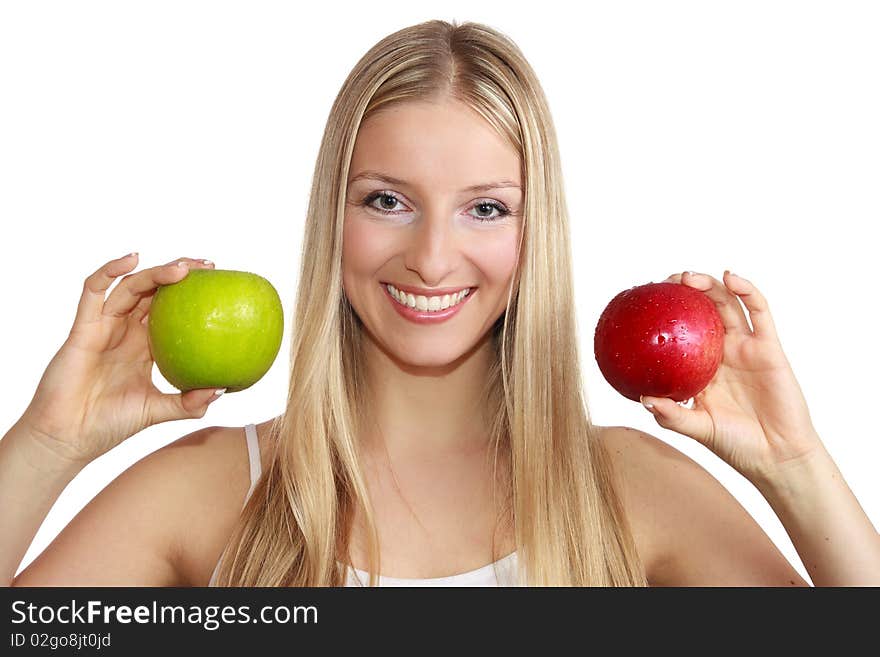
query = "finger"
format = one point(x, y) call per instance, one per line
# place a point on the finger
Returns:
point(759, 309)
point(191, 404)
point(132, 288)
point(692, 422)
point(726, 302)
point(95, 287)
point(142, 310)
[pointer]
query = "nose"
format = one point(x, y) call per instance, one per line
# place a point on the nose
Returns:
point(434, 247)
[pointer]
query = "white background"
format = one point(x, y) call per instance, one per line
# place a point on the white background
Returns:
point(694, 135)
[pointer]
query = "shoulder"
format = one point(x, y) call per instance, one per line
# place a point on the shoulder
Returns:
point(200, 481)
point(652, 474)
point(642, 460)
point(689, 528)
point(636, 457)
point(213, 454)
point(212, 468)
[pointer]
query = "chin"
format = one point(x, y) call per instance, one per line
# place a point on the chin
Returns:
point(416, 354)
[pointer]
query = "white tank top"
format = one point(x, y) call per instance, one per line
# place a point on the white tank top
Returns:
point(498, 573)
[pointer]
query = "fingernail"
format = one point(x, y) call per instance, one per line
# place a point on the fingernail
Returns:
point(207, 262)
point(646, 404)
point(183, 265)
point(219, 392)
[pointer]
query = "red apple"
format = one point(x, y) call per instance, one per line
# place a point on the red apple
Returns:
point(661, 340)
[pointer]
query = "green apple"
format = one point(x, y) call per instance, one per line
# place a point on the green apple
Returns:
point(215, 328)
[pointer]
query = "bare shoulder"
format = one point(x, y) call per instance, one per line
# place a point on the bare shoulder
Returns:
point(688, 526)
point(631, 453)
point(158, 523)
point(216, 467)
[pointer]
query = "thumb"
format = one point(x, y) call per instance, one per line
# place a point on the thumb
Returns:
point(184, 405)
point(692, 422)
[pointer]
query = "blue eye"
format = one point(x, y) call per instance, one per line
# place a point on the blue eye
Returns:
point(388, 196)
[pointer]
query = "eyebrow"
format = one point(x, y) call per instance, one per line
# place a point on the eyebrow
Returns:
point(376, 175)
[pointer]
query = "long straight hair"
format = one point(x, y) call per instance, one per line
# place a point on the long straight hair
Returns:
point(568, 521)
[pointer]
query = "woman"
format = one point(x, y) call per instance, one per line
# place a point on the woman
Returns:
point(453, 443)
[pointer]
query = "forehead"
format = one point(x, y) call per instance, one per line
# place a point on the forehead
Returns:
point(446, 144)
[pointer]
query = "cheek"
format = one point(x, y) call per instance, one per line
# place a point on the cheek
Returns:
point(364, 248)
point(495, 254)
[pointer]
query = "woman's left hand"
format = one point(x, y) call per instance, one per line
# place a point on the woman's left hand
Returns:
point(752, 414)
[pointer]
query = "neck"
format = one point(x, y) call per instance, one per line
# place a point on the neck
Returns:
point(425, 413)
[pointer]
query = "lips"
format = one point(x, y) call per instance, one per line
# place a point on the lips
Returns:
point(427, 316)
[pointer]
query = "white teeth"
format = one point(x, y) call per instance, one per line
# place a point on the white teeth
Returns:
point(419, 302)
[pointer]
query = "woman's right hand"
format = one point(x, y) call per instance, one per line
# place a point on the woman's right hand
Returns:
point(98, 389)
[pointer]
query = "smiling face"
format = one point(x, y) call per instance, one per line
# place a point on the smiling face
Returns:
point(427, 229)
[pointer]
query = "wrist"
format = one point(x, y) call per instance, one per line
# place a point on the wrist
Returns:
point(43, 452)
point(793, 478)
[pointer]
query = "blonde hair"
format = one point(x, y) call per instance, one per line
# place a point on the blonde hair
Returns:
point(568, 521)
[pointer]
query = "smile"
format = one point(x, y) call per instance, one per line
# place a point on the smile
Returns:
point(427, 310)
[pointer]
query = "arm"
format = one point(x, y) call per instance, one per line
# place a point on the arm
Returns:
point(128, 535)
point(31, 479)
point(96, 392)
point(831, 532)
point(753, 415)
point(690, 529)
